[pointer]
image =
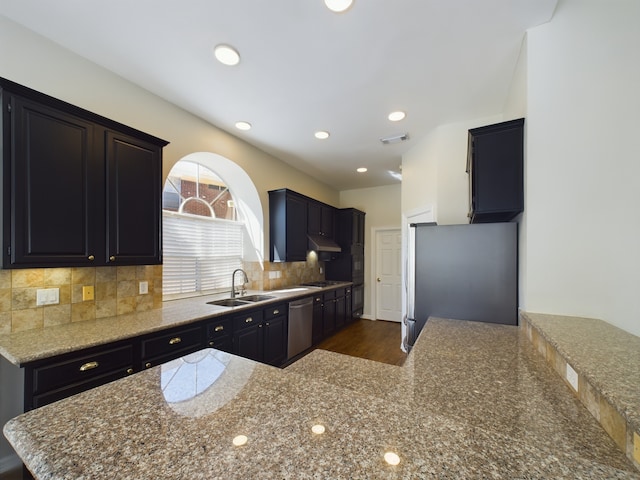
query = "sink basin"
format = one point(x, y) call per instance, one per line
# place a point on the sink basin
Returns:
point(228, 302)
point(255, 298)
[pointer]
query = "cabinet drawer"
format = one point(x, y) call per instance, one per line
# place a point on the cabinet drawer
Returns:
point(224, 343)
point(82, 368)
point(249, 319)
point(168, 343)
point(275, 311)
point(219, 328)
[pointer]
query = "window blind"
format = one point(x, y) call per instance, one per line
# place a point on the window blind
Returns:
point(199, 253)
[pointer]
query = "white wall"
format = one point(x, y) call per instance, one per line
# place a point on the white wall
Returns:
point(583, 227)
point(382, 208)
point(434, 172)
point(516, 107)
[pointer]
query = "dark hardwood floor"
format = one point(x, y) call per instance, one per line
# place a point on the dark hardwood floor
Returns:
point(374, 340)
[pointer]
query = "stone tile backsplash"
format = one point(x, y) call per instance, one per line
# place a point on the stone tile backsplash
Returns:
point(115, 293)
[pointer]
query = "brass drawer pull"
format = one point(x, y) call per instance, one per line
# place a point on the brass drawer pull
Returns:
point(147, 365)
point(89, 366)
point(91, 258)
point(219, 328)
point(248, 320)
point(129, 371)
point(175, 340)
point(276, 312)
point(112, 258)
point(212, 343)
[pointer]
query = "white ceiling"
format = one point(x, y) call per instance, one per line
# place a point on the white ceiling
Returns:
point(305, 68)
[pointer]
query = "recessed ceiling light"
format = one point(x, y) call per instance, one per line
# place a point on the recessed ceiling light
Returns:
point(338, 5)
point(396, 116)
point(226, 54)
point(321, 135)
point(243, 125)
point(361, 169)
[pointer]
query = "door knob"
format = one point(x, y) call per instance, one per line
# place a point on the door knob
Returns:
point(378, 279)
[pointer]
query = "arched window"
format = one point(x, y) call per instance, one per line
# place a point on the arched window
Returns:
point(205, 235)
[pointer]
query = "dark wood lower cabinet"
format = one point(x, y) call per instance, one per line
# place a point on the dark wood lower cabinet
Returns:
point(260, 334)
point(53, 379)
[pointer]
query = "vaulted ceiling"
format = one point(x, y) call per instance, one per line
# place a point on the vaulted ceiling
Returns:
point(304, 68)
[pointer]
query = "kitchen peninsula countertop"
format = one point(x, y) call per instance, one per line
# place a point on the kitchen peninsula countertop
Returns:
point(473, 400)
point(24, 347)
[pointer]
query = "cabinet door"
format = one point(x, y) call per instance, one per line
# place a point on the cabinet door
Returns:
point(348, 307)
point(133, 200)
point(248, 343)
point(329, 315)
point(297, 242)
point(340, 312)
point(50, 187)
point(317, 327)
point(275, 340)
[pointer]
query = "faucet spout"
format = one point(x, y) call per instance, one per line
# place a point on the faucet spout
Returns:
point(245, 279)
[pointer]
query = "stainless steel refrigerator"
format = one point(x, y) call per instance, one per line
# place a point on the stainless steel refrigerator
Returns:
point(462, 272)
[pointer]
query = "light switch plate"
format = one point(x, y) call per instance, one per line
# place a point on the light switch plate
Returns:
point(47, 296)
point(143, 287)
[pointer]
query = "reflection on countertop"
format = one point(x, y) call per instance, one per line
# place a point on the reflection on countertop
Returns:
point(473, 400)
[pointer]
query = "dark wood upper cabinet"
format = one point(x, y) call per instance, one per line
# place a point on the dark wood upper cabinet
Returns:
point(78, 189)
point(133, 200)
point(287, 226)
point(495, 168)
point(320, 219)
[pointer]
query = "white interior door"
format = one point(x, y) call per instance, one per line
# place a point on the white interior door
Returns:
point(389, 275)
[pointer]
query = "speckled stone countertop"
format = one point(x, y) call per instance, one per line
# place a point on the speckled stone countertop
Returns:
point(473, 400)
point(23, 347)
point(607, 356)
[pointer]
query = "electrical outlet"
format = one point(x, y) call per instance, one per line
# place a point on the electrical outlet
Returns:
point(572, 377)
point(143, 287)
point(47, 296)
point(87, 293)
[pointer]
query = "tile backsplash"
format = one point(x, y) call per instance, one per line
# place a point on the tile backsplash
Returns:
point(115, 293)
point(272, 276)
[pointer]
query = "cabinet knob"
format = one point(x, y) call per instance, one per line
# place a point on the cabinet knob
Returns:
point(112, 258)
point(211, 344)
point(378, 279)
point(147, 365)
point(175, 340)
point(267, 324)
point(91, 258)
point(248, 320)
point(129, 371)
point(219, 328)
point(276, 312)
point(88, 366)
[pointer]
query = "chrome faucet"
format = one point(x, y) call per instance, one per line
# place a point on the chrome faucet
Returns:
point(233, 282)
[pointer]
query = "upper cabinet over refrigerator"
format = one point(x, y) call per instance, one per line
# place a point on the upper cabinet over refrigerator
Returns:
point(495, 168)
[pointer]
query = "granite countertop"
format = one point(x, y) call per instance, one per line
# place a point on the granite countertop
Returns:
point(473, 400)
point(28, 346)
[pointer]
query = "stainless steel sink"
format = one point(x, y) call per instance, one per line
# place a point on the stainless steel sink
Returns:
point(228, 302)
point(256, 298)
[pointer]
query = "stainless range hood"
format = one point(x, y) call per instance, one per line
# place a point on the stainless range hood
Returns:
point(320, 243)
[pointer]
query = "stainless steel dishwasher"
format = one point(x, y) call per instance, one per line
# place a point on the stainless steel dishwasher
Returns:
point(300, 323)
